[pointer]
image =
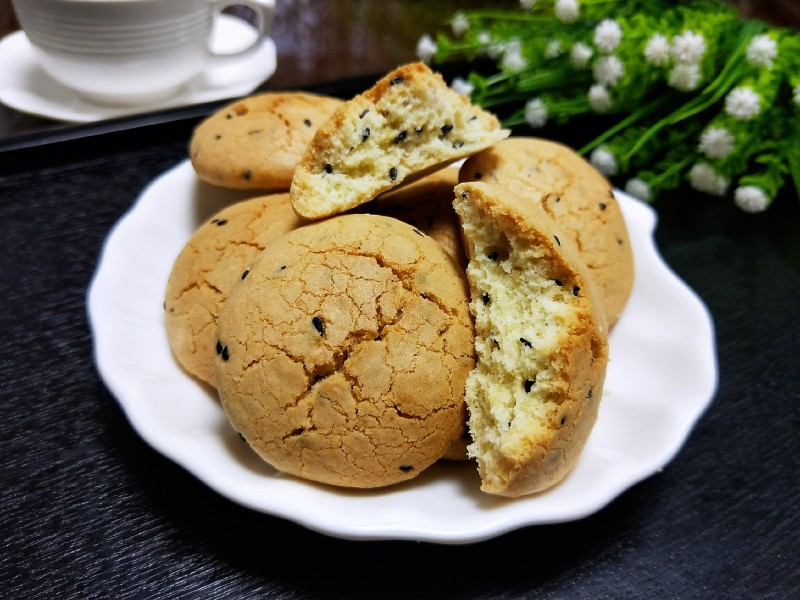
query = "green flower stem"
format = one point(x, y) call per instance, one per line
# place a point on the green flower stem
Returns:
point(713, 93)
point(638, 114)
point(672, 171)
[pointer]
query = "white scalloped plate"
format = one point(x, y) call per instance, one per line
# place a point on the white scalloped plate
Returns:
point(662, 375)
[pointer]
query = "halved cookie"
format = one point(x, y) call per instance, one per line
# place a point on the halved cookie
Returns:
point(540, 341)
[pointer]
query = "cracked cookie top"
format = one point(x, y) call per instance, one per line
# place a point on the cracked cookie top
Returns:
point(206, 268)
point(343, 351)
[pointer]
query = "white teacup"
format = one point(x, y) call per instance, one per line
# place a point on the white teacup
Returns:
point(128, 52)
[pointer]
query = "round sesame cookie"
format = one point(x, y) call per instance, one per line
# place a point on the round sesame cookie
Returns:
point(576, 196)
point(343, 353)
point(215, 257)
point(256, 142)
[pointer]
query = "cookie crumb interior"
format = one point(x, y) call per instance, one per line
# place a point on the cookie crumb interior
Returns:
point(525, 306)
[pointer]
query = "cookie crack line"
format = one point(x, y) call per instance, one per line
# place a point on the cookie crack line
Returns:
point(405, 278)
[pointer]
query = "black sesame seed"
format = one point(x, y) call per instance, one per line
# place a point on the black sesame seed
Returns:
point(473, 117)
point(248, 175)
point(246, 272)
point(418, 130)
point(589, 395)
point(400, 137)
point(363, 114)
point(563, 420)
point(576, 290)
point(528, 385)
point(463, 194)
point(485, 298)
point(446, 129)
point(392, 173)
point(282, 267)
point(525, 342)
point(405, 468)
point(225, 354)
point(218, 137)
point(219, 347)
point(558, 241)
point(493, 255)
point(365, 134)
point(307, 123)
point(418, 232)
point(241, 437)
point(603, 206)
point(318, 325)
point(558, 198)
point(558, 282)
point(328, 168)
point(478, 175)
point(397, 81)
point(229, 116)
point(220, 222)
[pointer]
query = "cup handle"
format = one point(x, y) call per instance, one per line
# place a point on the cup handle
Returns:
point(264, 11)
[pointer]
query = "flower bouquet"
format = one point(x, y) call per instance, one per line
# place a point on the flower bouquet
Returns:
point(694, 93)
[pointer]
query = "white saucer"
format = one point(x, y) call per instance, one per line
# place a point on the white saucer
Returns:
point(24, 86)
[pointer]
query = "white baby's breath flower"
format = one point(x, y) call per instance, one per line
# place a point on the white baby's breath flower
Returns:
point(462, 86)
point(716, 142)
point(460, 23)
point(527, 4)
point(512, 57)
point(796, 94)
point(599, 98)
point(684, 77)
point(607, 35)
point(761, 51)
point(688, 47)
point(484, 37)
point(426, 48)
point(751, 199)
point(608, 70)
point(704, 178)
point(567, 10)
point(536, 112)
point(604, 161)
point(657, 50)
point(638, 188)
point(494, 49)
point(742, 103)
point(580, 54)
point(553, 49)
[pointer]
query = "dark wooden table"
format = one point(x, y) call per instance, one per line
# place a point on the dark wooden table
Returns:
point(89, 510)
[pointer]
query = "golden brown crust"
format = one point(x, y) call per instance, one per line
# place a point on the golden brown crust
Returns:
point(576, 196)
point(529, 426)
point(208, 265)
point(343, 353)
point(256, 142)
